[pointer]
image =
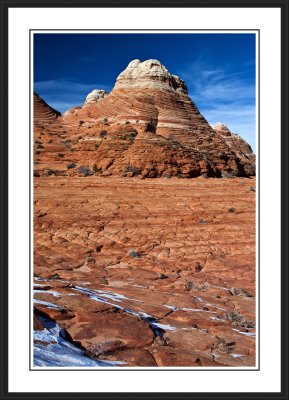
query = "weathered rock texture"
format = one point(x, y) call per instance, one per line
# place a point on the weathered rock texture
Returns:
point(154, 272)
point(42, 111)
point(149, 272)
point(147, 126)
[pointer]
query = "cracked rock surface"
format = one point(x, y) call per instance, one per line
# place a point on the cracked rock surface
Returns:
point(152, 273)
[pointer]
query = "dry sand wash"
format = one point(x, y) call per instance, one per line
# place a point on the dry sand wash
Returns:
point(148, 272)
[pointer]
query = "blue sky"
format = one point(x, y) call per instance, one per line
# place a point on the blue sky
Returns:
point(219, 69)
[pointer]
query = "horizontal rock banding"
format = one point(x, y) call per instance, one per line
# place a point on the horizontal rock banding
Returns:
point(147, 123)
point(42, 111)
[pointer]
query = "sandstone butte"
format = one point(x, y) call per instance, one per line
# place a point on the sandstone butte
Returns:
point(136, 272)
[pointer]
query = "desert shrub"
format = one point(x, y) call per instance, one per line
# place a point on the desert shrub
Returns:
point(102, 134)
point(223, 346)
point(252, 189)
point(162, 276)
point(238, 319)
point(66, 143)
point(50, 172)
point(135, 170)
point(131, 136)
point(203, 221)
point(95, 168)
point(198, 267)
point(232, 209)
point(60, 155)
point(71, 165)
point(134, 253)
point(127, 122)
point(84, 170)
point(81, 122)
point(239, 292)
point(193, 286)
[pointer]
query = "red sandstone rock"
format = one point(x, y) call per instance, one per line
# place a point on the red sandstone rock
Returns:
point(107, 245)
point(147, 126)
point(154, 272)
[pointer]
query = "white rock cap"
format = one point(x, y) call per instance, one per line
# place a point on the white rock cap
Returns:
point(95, 96)
point(149, 73)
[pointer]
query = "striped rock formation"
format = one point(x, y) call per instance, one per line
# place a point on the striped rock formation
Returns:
point(147, 126)
point(42, 112)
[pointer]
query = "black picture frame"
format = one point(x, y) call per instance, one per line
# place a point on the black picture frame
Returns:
point(283, 5)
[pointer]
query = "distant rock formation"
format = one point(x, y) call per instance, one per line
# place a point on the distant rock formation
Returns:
point(42, 111)
point(147, 126)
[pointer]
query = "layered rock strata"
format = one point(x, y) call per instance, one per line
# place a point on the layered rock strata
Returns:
point(146, 126)
point(42, 112)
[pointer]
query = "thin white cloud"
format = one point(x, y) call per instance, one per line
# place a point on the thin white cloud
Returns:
point(63, 94)
point(223, 95)
point(68, 86)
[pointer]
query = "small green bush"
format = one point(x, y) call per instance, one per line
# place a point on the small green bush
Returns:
point(95, 168)
point(84, 170)
point(102, 134)
point(135, 170)
point(71, 165)
point(134, 253)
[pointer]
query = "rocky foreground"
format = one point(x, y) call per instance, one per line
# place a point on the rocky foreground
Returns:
point(153, 273)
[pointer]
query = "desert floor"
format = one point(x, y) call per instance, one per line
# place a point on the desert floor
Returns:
point(151, 273)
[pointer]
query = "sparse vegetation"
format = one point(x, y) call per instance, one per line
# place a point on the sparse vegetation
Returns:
point(198, 267)
point(162, 276)
point(95, 168)
point(60, 155)
point(203, 221)
point(193, 286)
point(84, 170)
point(71, 165)
point(103, 134)
point(134, 170)
point(66, 143)
point(239, 292)
point(232, 209)
point(81, 123)
point(50, 172)
point(223, 346)
point(252, 189)
point(134, 253)
point(131, 136)
point(238, 319)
